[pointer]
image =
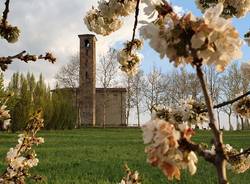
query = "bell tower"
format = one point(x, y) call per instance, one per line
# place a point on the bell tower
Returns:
point(87, 81)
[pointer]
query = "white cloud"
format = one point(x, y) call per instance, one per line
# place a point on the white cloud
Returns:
point(51, 26)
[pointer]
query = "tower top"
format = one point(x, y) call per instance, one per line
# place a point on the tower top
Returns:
point(87, 36)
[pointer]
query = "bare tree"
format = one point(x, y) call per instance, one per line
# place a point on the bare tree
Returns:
point(107, 75)
point(154, 90)
point(68, 75)
point(214, 83)
point(177, 88)
point(245, 84)
point(181, 84)
point(127, 81)
point(138, 82)
point(193, 86)
point(231, 87)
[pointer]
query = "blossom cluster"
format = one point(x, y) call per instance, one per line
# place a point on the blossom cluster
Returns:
point(129, 58)
point(189, 111)
point(22, 157)
point(237, 161)
point(242, 107)
point(4, 113)
point(106, 18)
point(8, 32)
point(132, 177)
point(231, 7)
point(4, 117)
point(163, 148)
point(190, 40)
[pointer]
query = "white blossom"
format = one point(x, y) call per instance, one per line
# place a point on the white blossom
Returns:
point(155, 34)
point(116, 8)
point(4, 114)
point(150, 8)
point(148, 132)
point(129, 58)
point(231, 7)
point(17, 163)
point(242, 107)
point(214, 39)
point(11, 154)
point(100, 24)
point(162, 149)
point(32, 162)
point(22, 157)
point(6, 124)
point(192, 160)
point(131, 177)
point(225, 43)
point(106, 19)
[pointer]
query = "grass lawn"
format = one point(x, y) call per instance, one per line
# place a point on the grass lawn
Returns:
point(97, 156)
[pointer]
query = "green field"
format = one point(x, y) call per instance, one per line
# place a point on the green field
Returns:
point(97, 156)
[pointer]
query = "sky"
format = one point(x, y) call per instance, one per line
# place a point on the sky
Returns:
point(54, 26)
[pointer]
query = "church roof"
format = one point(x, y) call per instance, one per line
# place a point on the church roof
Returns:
point(112, 89)
point(97, 89)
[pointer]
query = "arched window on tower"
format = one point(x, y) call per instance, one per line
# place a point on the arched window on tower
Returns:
point(86, 43)
point(87, 75)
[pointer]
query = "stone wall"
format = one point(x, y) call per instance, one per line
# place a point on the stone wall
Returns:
point(115, 106)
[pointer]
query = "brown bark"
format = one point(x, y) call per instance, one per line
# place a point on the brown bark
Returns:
point(5, 12)
point(220, 161)
point(218, 118)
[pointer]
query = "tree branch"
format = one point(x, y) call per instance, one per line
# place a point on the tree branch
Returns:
point(23, 56)
point(220, 158)
point(213, 125)
point(190, 146)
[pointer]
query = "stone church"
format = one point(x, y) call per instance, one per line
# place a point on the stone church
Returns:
point(90, 100)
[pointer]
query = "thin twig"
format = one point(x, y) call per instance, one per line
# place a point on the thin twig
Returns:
point(232, 101)
point(5, 12)
point(228, 102)
point(245, 152)
point(137, 10)
point(17, 55)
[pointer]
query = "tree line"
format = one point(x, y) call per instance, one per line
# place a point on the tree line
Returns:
point(157, 88)
point(30, 94)
point(169, 89)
